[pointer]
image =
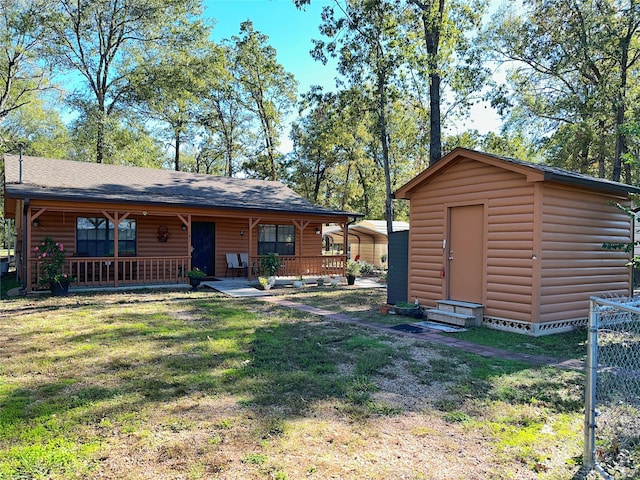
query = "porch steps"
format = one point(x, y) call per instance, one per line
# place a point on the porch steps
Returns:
point(453, 312)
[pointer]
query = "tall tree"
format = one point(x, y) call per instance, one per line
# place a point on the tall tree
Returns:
point(270, 93)
point(573, 74)
point(446, 27)
point(170, 81)
point(95, 37)
point(365, 38)
point(224, 117)
point(23, 38)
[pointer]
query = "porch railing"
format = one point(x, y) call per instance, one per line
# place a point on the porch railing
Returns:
point(293, 266)
point(114, 272)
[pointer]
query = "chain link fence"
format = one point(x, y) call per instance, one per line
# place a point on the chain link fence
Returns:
point(612, 397)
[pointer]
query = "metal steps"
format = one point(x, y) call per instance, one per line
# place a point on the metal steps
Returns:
point(453, 312)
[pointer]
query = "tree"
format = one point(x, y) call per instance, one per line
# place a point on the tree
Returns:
point(446, 26)
point(23, 37)
point(97, 38)
point(224, 117)
point(37, 129)
point(170, 81)
point(269, 93)
point(572, 74)
point(365, 38)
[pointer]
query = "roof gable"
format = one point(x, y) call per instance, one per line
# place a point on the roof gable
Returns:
point(82, 181)
point(534, 172)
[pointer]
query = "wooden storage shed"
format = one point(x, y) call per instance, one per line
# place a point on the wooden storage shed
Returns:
point(521, 240)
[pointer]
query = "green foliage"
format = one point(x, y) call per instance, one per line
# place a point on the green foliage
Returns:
point(51, 257)
point(353, 267)
point(270, 94)
point(271, 264)
point(571, 78)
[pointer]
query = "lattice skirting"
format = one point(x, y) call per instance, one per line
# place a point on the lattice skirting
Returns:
point(533, 329)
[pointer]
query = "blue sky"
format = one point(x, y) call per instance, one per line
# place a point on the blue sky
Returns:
point(290, 32)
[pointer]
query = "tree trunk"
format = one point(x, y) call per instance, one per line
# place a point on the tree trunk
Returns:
point(384, 141)
point(435, 134)
point(176, 158)
point(432, 28)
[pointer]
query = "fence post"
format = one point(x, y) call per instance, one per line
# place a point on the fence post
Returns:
point(589, 455)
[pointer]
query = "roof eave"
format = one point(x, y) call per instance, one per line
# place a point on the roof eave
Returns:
point(33, 194)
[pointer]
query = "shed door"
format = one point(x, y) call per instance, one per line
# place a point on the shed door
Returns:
point(465, 253)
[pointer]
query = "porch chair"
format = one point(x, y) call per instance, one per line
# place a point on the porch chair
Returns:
point(233, 264)
point(244, 263)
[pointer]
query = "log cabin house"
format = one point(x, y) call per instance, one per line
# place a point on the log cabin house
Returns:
point(522, 241)
point(127, 225)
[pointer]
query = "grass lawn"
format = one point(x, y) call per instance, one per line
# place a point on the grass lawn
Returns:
point(195, 385)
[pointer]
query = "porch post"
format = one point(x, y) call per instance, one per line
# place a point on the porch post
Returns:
point(300, 225)
point(116, 227)
point(187, 223)
point(252, 223)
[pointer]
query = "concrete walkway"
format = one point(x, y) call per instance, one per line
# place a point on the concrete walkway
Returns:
point(241, 287)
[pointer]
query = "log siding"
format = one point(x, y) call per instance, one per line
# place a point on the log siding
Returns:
point(543, 236)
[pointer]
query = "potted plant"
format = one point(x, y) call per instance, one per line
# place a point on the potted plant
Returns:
point(51, 257)
point(298, 282)
point(406, 308)
point(195, 277)
point(264, 283)
point(352, 271)
point(270, 266)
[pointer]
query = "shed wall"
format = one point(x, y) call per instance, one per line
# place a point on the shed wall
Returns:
point(509, 232)
point(574, 265)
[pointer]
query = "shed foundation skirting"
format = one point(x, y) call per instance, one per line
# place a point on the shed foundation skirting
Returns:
point(533, 329)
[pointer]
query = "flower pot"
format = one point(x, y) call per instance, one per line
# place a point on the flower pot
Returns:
point(297, 283)
point(384, 309)
point(194, 282)
point(351, 279)
point(60, 288)
point(320, 282)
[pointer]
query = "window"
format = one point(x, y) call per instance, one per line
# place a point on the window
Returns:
point(95, 236)
point(280, 239)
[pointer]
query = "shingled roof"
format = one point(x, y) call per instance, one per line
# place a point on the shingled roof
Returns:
point(545, 172)
point(46, 178)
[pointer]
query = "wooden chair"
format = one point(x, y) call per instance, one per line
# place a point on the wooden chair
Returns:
point(233, 264)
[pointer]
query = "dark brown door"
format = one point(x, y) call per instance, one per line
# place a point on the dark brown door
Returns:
point(466, 253)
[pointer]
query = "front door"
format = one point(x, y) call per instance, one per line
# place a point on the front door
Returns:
point(465, 253)
point(202, 243)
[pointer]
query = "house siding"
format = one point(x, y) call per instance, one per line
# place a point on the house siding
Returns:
point(508, 244)
point(574, 265)
point(58, 221)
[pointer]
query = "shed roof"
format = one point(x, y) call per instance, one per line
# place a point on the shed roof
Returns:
point(54, 179)
point(535, 172)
